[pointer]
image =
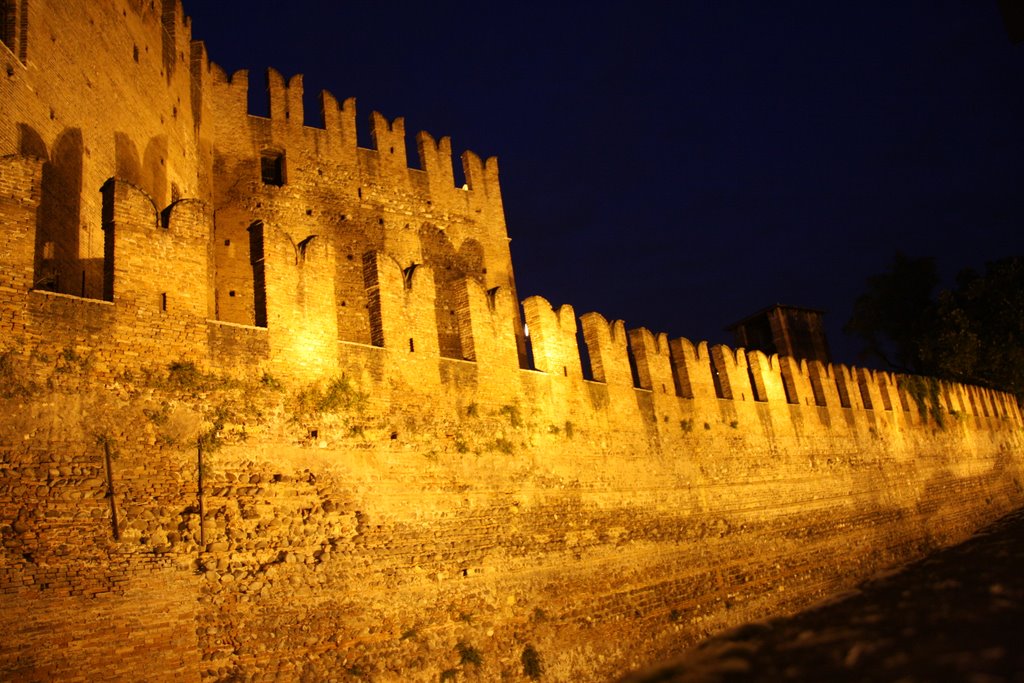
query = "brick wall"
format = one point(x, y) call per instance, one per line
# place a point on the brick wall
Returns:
point(283, 429)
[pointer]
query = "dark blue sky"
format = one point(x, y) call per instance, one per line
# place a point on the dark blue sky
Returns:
point(682, 165)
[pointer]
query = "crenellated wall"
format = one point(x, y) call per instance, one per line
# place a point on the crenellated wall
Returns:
point(289, 428)
point(296, 504)
point(367, 199)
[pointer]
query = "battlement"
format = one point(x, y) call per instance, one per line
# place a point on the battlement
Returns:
point(335, 141)
point(159, 270)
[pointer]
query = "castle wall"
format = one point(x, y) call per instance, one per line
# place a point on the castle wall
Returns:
point(366, 199)
point(292, 503)
point(385, 518)
point(286, 432)
point(93, 103)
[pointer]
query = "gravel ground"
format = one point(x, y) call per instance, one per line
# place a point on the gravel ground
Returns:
point(957, 615)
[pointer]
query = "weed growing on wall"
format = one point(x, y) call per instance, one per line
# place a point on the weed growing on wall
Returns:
point(925, 392)
point(183, 375)
point(69, 360)
point(504, 446)
point(159, 416)
point(337, 396)
point(271, 382)
point(469, 654)
point(513, 415)
point(11, 383)
point(533, 667)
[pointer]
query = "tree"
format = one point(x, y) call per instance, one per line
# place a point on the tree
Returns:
point(972, 333)
point(895, 314)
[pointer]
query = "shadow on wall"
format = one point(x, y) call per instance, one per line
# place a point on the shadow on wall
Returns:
point(58, 262)
point(353, 239)
point(449, 266)
point(151, 173)
point(58, 265)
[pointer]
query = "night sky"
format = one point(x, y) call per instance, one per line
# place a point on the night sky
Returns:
point(682, 165)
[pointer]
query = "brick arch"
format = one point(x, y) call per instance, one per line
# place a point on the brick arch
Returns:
point(470, 259)
point(58, 264)
point(450, 266)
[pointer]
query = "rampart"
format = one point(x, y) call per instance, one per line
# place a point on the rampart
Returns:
point(287, 431)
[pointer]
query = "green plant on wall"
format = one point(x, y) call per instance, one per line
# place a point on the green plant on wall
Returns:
point(513, 415)
point(925, 393)
point(533, 667)
point(11, 384)
point(271, 382)
point(185, 375)
point(504, 446)
point(337, 396)
point(469, 654)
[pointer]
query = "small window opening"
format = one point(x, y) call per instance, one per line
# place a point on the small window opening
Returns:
point(844, 397)
point(360, 192)
point(135, 53)
point(309, 212)
point(755, 394)
point(716, 379)
point(227, 243)
point(565, 371)
point(412, 346)
point(231, 293)
point(314, 434)
point(163, 301)
point(272, 168)
point(790, 394)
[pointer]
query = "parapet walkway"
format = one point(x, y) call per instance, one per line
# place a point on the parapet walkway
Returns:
point(957, 615)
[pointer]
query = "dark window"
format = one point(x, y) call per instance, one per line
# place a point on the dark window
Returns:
point(8, 23)
point(272, 168)
point(259, 282)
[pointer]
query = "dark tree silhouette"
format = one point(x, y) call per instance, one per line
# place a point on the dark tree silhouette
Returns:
point(972, 333)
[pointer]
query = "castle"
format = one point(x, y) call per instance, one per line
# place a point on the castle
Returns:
point(269, 410)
